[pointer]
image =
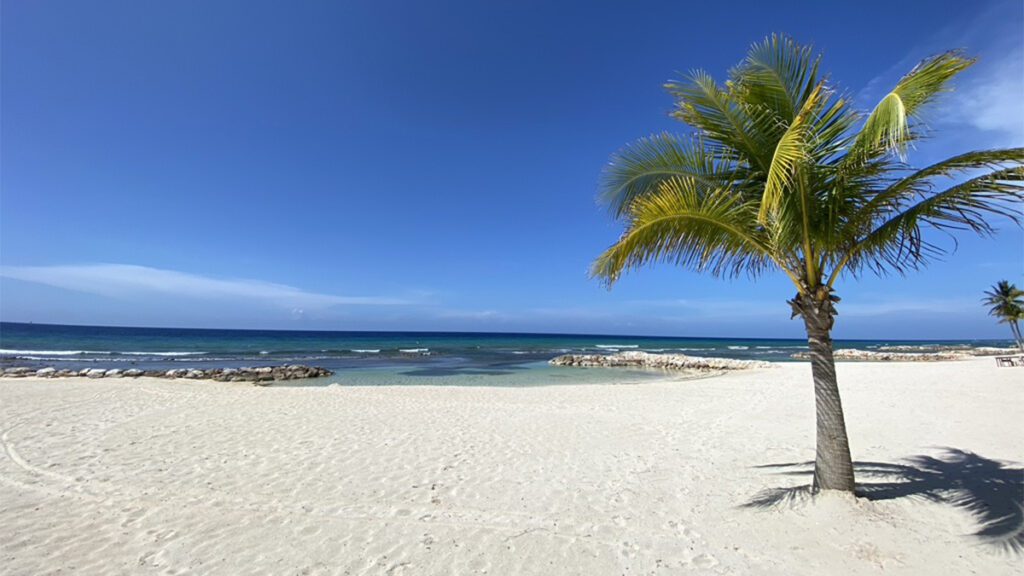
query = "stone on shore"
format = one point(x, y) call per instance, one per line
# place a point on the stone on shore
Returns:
point(873, 356)
point(636, 359)
point(261, 375)
point(991, 351)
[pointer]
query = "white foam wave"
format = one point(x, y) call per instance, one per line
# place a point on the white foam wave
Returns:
point(414, 350)
point(616, 346)
point(20, 353)
point(161, 353)
point(7, 352)
point(64, 359)
point(739, 347)
point(366, 350)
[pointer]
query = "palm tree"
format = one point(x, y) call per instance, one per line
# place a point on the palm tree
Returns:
point(781, 173)
point(1007, 304)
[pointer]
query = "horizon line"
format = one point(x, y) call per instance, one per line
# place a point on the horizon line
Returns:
point(2, 322)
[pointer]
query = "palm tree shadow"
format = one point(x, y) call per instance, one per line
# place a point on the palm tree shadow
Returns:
point(989, 490)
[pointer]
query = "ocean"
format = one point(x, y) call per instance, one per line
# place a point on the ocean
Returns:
point(385, 358)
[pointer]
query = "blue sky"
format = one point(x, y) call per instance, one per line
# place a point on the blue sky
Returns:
point(426, 166)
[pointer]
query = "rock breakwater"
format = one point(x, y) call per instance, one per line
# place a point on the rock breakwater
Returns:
point(964, 350)
point(261, 375)
point(872, 356)
point(657, 361)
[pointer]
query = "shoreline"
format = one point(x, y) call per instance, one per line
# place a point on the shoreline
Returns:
point(116, 476)
point(84, 347)
point(634, 359)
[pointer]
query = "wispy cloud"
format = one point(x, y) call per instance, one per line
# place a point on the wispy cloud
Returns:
point(714, 307)
point(901, 306)
point(127, 281)
point(483, 315)
point(987, 98)
point(992, 100)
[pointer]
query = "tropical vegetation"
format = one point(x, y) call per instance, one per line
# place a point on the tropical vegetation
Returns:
point(782, 173)
point(1006, 303)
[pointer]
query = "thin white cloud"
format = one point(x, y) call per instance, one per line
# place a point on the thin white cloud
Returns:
point(853, 307)
point(127, 281)
point(448, 314)
point(715, 307)
point(988, 96)
point(992, 102)
point(848, 307)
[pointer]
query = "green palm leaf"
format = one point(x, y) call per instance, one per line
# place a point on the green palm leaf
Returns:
point(639, 167)
point(1006, 301)
point(888, 126)
point(779, 74)
point(682, 225)
point(897, 242)
point(791, 151)
point(719, 118)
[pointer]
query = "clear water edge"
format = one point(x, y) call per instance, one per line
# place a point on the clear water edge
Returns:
point(386, 358)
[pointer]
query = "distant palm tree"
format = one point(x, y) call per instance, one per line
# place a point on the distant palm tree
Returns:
point(1007, 302)
point(781, 173)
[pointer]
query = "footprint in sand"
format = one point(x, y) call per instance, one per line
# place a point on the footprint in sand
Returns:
point(131, 516)
point(704, 561)
point(629, 549)
point(309, 530)
point(681, 529)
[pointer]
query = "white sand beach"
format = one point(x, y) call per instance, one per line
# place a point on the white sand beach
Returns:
point(146, 476)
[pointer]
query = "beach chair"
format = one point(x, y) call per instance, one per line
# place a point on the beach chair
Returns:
point(1009, 361)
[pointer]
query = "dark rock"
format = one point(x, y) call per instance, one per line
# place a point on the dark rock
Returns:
point(261, 375)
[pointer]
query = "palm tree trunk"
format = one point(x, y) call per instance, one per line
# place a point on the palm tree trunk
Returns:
point(1015, 327)
point(833, 467)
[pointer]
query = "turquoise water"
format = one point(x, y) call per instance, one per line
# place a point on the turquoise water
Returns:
point(527, 374)
point(384, 358)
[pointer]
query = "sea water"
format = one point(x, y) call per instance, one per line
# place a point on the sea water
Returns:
point(386, 358)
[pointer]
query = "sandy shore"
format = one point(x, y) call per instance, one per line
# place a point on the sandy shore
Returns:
point(169, 477)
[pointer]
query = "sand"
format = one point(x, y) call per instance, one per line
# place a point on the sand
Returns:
point(121, 476)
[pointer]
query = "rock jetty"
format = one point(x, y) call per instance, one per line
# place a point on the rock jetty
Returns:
point(990, 351)
point(963, 349)
point(873, 356)
point(262, 375)
point(658, 361)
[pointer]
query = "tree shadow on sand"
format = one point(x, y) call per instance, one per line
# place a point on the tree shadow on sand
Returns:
point(989, 490)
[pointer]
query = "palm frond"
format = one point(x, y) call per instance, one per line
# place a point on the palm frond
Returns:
point(712, 231)
point(1006, 301)
point(950, 167)
point(719, 118)
point(782, 172)
point(638, 168)
point(888, 126)
point(778, 74)
point(922, 182)
point(897, 242)
point(790, 152)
